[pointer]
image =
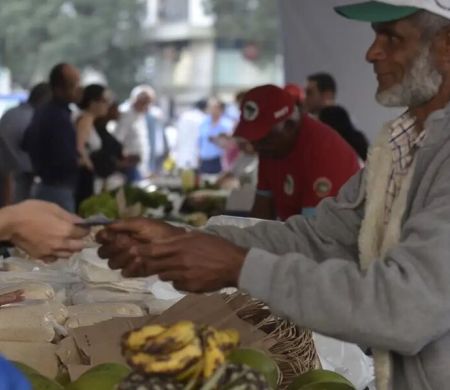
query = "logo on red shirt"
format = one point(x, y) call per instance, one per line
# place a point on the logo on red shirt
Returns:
point(289, 185)
point(322, 187)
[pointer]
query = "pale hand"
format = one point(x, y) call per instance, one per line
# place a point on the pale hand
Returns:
point(42, 229)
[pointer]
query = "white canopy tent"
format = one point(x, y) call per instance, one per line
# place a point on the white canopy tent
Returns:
point(316, 39)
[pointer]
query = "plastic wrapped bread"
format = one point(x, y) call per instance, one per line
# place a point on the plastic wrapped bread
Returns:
point(39, 356)
point(104, 294)
point(97, 295)
point(32, 322)
point(27, 323)
point(32, 290)
point(90, 314)
point(58, 312)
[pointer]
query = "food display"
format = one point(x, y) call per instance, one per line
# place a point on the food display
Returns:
point(31, 290)
point(105, 376)
point(27, 323)
point(90, 314)
point(114, 204)
point(38, 381)
point(82, 326)
point(187, 355)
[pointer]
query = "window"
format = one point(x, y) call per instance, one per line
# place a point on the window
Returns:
point(170, 11)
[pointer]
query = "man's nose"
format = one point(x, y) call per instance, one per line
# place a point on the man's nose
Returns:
point(376, 52)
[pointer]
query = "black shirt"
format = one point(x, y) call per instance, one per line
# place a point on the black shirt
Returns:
point(50, 140)
point(338, 118)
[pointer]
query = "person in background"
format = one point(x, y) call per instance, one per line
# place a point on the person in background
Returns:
point(186, 153)
point(51, 140)
point(15, 164)
point(110, 158)
point(215, 125)
point(338, 118)
point(233, 109)
point(94, 104)
point(301, 160)
point(233, 157)
point(158, 143)
point(243, 168)
point(320, 101)
point(132, 132)
point(297, 92)
point(321, 90)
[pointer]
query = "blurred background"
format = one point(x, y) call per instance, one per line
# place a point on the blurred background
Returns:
point(185, 49)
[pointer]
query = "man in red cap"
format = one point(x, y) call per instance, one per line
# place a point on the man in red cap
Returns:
point(296, 92)
point(301, 161)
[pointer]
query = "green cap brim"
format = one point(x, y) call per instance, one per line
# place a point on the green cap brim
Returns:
point(375, 12)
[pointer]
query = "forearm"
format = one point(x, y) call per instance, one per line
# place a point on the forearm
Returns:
point(85, 160)
point(392, 306)
point(332, 233)
point(7, 223)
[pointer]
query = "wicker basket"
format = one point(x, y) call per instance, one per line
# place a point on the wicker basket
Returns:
point(290, 346)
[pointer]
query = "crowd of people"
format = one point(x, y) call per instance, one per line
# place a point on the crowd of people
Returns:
point(66, 140)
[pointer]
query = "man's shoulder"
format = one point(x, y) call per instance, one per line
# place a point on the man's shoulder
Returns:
point(322, 136)
point(16, 111)
point(317, 129)
point(52, 111)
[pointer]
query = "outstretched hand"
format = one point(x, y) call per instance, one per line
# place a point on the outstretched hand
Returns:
point(194, 262)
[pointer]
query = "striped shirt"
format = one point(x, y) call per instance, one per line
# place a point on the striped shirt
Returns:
point(404, 142)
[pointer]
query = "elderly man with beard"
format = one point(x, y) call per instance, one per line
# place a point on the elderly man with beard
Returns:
point(373, 266)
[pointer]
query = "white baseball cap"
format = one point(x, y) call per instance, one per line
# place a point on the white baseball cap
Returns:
point(391, 10)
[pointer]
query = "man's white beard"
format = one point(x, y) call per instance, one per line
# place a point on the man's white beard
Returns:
point(419, 85)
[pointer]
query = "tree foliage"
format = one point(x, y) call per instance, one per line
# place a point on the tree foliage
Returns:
point(240, 22)
point(104, 34)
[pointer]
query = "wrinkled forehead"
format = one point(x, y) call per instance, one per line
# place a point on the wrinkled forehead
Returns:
point(406, 27)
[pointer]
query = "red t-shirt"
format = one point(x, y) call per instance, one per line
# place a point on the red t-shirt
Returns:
point(320, 163)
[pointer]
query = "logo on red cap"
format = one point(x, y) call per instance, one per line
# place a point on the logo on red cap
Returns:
point(280, 113)
point(250, 111)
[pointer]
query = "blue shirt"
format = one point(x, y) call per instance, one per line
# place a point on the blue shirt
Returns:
point(11, 378)
point(51, 143)
point(207, 149)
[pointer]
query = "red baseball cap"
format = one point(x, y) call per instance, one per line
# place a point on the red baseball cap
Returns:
point(296, 91)
point(262, 108)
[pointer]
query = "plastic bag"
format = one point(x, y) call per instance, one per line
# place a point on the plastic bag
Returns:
point(345, 359)
point(147, 301)
point(31, 290)
point(95, 271)
point(90, 314)
point(165, 291)
point(98, 295)
point(27, 322)
point(57, 275)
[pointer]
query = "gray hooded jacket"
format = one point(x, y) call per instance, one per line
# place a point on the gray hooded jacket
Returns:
point(308, 270)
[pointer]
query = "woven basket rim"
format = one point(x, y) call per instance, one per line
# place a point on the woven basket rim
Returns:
point(293, 347)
